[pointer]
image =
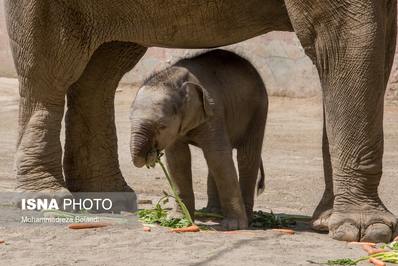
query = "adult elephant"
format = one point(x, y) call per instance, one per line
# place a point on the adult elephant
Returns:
point(82, 48)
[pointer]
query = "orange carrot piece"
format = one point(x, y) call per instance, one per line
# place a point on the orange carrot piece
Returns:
point(362, 243)
point(190, 229)
point(2, 241)
point(147, 229)
point(87, 225)
point(367, 248)
point(370, 250)
point(377, 262)
point(284, 231)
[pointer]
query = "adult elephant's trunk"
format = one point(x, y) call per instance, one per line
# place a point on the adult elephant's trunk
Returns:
point(141, 142)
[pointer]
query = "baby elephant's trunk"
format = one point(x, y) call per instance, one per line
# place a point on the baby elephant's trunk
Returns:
point(141, 142)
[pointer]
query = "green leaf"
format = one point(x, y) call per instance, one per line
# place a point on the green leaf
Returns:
point(270, 220)
point(342, 262)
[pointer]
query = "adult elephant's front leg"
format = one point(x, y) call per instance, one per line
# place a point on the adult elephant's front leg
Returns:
point(350, 43)
point(47, 63)
point(91, 159)
point(321, 215)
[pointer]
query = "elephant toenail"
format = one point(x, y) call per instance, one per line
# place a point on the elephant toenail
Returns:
point(377, 233)
point(345, 232)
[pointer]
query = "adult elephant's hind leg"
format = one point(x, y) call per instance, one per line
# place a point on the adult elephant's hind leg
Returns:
point(349, 42)
point(91, 159)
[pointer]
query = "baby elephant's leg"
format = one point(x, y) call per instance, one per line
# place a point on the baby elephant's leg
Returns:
point(213, 202)
point(221, 164)
point(249, 159)
point(178, 158)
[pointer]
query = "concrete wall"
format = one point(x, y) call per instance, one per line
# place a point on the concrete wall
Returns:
point(278, 56)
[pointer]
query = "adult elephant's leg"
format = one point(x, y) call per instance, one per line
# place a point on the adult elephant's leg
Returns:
point(349, 43)
point(321, 215)
point(47, 63)
point(39, 152)
point(91, 159)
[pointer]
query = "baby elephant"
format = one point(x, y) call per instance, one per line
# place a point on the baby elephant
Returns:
point(216, 101)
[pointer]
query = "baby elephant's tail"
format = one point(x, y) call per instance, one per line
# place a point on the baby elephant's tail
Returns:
point(261, 179)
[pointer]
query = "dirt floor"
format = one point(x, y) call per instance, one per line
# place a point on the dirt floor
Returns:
point(292, 158)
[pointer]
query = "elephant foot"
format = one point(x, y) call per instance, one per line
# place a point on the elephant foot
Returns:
point(114, 183)
point(370, 225)
point(249, 212)
point(212, 209)
point(322, 213)
point(59, 194)
point(175, 214)
point(232, 223)
point(320, 222)
point(113, 188)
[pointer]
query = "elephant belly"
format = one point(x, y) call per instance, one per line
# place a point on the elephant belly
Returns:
point(197, 24)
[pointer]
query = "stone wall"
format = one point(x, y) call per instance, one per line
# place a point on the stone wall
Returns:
point(278, 57)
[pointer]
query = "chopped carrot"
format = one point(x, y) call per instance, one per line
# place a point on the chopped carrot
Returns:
point(87, 225)
point(362, 243)
point(370, 250)
point(190, 229)
point(147, 229)
point(284, 231)
point(2, 241)
point(377, 262)
point(367, 248)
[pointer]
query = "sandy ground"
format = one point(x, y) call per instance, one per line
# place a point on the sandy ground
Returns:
point(292, 158)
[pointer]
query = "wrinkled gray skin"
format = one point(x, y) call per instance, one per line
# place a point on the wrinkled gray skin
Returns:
point(82, 48)
point(217, 102)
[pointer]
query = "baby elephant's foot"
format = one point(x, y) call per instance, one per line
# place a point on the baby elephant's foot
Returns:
point(234, 223)
point(212, 209)
point(371, 225)
point(175, 214)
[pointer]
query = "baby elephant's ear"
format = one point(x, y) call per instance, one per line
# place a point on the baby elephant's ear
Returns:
point(198, 107)
point(207, 100)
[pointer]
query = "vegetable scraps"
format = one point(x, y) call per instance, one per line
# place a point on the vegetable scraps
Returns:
point(266, 220)
point(158, 214)
point(386, 253)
